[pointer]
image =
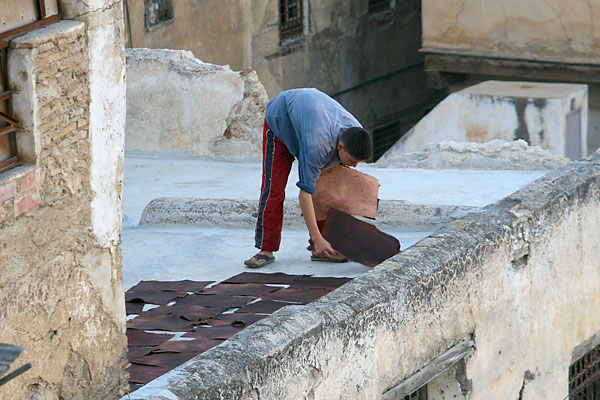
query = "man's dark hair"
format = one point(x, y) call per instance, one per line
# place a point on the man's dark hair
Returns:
point(357, 142)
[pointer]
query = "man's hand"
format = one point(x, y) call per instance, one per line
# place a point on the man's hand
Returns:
point(321, 245)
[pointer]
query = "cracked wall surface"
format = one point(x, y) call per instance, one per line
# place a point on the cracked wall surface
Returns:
point(343, 46)
point(177, 102)
point(551, 29)
point(61, 293)
point(519, 277)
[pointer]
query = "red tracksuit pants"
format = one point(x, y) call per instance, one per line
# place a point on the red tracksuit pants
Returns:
point(277, 163)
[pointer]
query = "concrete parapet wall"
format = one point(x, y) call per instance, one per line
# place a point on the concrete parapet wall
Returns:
point(534, 112)
point(177, 102)
point(244, 212)
point(519, 277)
point(61, 289)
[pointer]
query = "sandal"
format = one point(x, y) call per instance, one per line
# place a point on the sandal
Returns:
point(328, 259)
point(258, 256)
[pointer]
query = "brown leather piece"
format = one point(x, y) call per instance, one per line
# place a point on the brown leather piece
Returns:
point(144, 373)
point(215, 300)
point(238, 319)
point(263, 306)
point(301, 296)
point(153, 296)
point(191, 312)
point(137, 352)
point(358, 240)
point(318, 282)
point(223, 332)
point(140, 338)
point(260, 277)
point(174, 286)
point(187, 346)
point(133, 308)
point(171, 323)
point(240, 289)
point(348, 190)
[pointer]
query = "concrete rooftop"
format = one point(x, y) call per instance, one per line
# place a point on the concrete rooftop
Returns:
point(209, 252)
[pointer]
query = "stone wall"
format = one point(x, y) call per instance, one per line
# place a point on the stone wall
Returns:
point(536, 29)
point(61, 293)
point(177, 102)
point(370, 60)
point(519, 278)
point(532, 111)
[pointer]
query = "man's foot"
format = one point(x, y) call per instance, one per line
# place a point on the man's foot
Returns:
point(259, 260)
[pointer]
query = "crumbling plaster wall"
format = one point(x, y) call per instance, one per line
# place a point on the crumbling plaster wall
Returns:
point(177, 102)
point(519, 277)
point(534, 112)
point(540, 29)
point(61, 290)
point(344, 47)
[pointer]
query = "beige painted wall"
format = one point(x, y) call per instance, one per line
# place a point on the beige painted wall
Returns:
point(540, 29)
point(216, 31)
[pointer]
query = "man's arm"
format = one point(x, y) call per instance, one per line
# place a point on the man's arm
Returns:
point(321, 245)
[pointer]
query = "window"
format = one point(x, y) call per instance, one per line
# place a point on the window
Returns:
point(158, 11)
point(584, 376)
point(291, 19)
point(19, 19)
point(377, 6)
point(419, 394)
point(384, 137)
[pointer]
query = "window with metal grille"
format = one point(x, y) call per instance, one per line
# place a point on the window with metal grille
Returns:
point(584, 376)
point(377, 6)
point(291, 19)
point(18, 18)
point(384, 137)
point(158, 11)
point(419, 394)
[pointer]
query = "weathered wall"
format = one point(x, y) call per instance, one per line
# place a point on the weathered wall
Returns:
point(534, 112)
point(61, 293)
point(177, 102)
point(216, 34)
point(535, 29)
point(519, 277)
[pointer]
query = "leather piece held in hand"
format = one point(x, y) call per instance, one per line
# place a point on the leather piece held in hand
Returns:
point(358, 240)
point(348, 190)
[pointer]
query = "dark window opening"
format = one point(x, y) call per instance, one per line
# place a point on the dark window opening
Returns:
point(377, 6)
point(291, 19)
point(384, 137)
point(158, 11)
point(419, 394)
point(584, 376)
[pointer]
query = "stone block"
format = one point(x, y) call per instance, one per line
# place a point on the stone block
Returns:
point(28, 182)
point(26, 203)
point(8, 191)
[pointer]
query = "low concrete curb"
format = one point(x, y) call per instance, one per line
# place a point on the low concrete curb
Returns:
point(168, 210)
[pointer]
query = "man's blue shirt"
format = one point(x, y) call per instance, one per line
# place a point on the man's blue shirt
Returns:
point(309, 123)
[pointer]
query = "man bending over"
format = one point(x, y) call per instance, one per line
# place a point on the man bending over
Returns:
point(310, 126)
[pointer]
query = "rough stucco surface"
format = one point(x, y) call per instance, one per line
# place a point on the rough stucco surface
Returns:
point(177, 102)
point(520, 277)
point(61, 291)
point(534, 112)
point(494, 155)
point(551, 29)
point(173, 210)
